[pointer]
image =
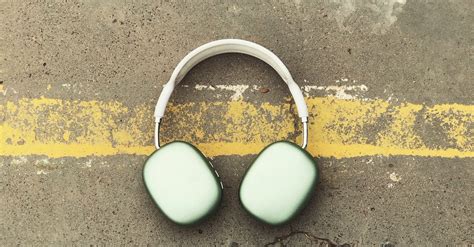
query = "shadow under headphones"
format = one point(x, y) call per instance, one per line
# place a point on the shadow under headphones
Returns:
point(185, 186)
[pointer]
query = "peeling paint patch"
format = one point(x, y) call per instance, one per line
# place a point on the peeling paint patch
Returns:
point(19, 160)
point(381, 15)
point(238, 90)
point(339, 92)
point(41, 172)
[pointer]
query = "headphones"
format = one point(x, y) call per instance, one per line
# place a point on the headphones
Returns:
point(183, 182)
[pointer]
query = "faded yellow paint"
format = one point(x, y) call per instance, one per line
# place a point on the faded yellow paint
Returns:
point(403, 129)
point(66, 135)
point(338, 128)
point(458, 121)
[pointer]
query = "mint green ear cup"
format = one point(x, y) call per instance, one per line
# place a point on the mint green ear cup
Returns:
point(279, 183)
point(182, 183)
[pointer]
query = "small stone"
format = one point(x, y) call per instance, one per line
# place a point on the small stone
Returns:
point(387, 244)
point(233, 244)
point(264, 90)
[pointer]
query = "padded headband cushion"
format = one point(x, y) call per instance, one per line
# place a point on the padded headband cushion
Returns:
point(229, 46)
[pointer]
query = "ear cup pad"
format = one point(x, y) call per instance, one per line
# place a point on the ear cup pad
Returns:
point(278, 184)
point(182, 183)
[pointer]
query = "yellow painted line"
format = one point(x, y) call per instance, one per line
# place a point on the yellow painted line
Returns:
point(338, 128)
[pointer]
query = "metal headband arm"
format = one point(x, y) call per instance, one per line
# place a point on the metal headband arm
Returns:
point(230, 46)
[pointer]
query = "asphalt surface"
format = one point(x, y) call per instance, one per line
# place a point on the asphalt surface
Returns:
point(399, 173)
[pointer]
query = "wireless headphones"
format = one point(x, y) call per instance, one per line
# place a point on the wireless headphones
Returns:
point(186, 187)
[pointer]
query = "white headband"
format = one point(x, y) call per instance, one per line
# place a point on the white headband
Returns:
point(230, 46)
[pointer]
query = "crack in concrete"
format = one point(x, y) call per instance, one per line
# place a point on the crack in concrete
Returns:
point(320, 241)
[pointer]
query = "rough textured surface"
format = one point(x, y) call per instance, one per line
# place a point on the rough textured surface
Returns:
point(415, 51)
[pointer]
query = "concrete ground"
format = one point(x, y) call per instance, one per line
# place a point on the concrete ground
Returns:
point(389, 86)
